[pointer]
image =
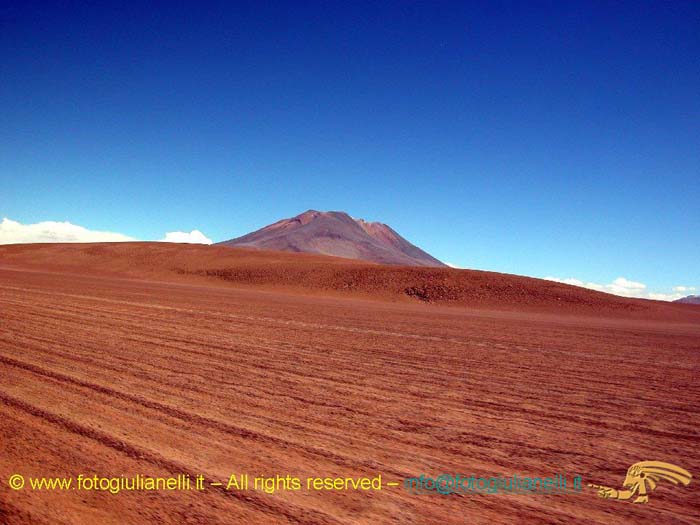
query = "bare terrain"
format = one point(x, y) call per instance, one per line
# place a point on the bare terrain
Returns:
point(336, 233)
point(144, 358)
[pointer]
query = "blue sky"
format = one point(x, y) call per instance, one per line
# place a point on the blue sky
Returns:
point(539, 138)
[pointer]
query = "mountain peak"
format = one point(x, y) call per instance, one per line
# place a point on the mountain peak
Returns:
point(337, 233)
point(690, 299)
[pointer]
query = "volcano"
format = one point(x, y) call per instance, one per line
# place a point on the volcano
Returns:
point(336, 233)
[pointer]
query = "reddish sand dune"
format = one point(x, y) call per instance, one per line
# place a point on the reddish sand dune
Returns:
point(318, 274)
point(151, 359)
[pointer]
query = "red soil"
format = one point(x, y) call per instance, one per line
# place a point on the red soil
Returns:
point(317, 274)
point(158, 359)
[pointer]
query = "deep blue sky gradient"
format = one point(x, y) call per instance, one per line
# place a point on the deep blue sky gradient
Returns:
point(545, 138)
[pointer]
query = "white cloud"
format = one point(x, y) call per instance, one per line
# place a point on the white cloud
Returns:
point(193, 237)
point(684, 288)
point(665, 296)
point(452, 265)
point(625, 288)
point(13, 232)
point(571, 281)
point(619, 286)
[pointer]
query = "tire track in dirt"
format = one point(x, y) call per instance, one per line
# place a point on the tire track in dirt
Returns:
point(191, 418)
point(543, 414)
point(303, 353)
point(584, 396)
point(223, 315)
point(289, 512)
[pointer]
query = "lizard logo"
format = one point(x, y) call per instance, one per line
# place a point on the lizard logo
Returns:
point(642, 478)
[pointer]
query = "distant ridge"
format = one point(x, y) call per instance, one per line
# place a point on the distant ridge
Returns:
point(691, 299)
point(305, 274)
point(336, 233)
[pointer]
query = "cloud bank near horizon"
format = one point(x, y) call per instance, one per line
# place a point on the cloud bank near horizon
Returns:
point(193, 237)
point(14, 232)
point(626, 288)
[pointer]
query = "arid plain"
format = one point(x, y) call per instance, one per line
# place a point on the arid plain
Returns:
point(167, 359)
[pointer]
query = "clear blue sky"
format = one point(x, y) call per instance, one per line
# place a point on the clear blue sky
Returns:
point(538, 138)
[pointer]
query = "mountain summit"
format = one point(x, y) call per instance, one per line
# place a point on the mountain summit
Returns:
point(690, 299)
point(336, 233)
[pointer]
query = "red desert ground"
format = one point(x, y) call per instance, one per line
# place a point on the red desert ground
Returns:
point(163, 360)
